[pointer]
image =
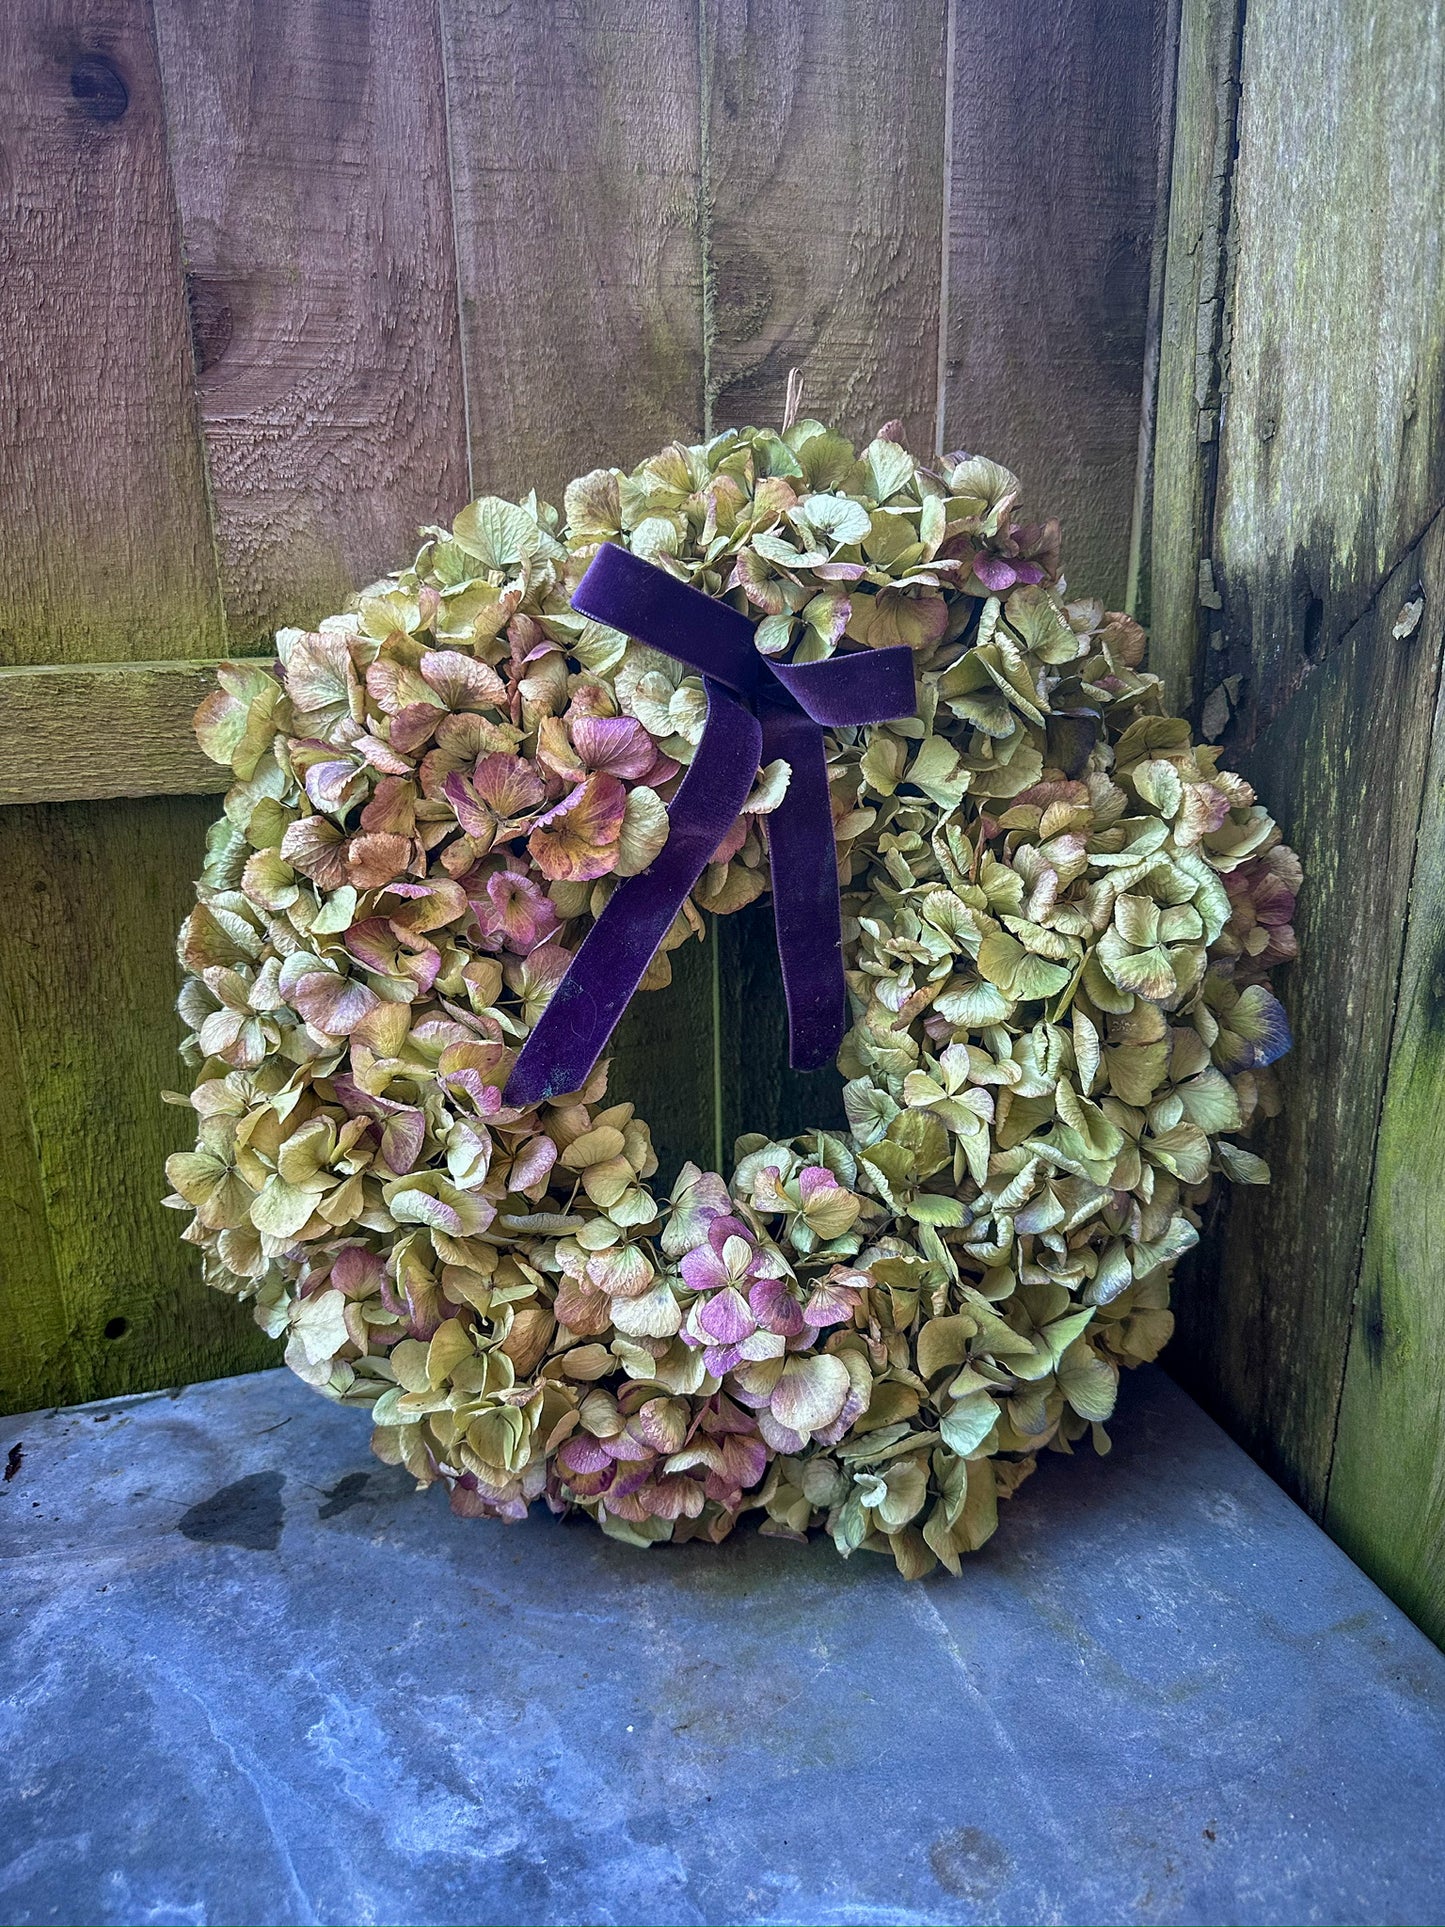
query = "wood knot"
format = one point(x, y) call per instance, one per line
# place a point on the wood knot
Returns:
point(98, 89)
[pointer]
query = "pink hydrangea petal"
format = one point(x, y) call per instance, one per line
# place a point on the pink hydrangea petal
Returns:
point(814, 1178)
point(726, 1317)
point(583, 1453)
point(774, 1305)
point(617, 744)
point(703, 1270)
point(994, 573)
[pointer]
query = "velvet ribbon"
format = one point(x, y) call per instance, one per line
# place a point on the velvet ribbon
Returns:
point(757, 710)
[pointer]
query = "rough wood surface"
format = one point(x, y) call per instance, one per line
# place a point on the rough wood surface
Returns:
point(576, 147)
point(1386, 1501)
point(825, 199)
point(1056, 120)
point(576, 172)
point(106, 552)
point(823, 257)
point(104, 729)
point(1264, 1314)
point(1187, 395)
point(1332, 455)
point(308, 141)
point(32, 1288)
point(93, 900)
point(1320, 340)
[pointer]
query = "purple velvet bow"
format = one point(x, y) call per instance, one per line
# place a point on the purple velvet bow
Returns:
point(757, 710)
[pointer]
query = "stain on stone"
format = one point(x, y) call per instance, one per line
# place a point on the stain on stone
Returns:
point(15, 1458)
point(970, 1863)
point(248, 1513)
point(347, 1492)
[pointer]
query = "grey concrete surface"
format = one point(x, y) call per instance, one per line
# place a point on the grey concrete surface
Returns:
point(248, 1675)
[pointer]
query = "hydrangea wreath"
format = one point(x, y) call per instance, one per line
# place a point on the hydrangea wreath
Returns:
point(1059, 916)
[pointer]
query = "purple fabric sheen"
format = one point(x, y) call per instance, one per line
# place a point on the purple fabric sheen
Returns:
point(795, 703)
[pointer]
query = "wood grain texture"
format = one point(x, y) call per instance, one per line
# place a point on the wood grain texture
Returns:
point(1320, 342)
point(106, 552)
point(576, 145)
point(825, 196)
point(104, 729)
point(32, 1289)
point(1386, 1502)
point(1188, 390)
point(825, 191)
point(308, 141)
point(576, 167)
point(1265, 1310)
point(94, 897)
point(1332, 448)
point(1056, 121)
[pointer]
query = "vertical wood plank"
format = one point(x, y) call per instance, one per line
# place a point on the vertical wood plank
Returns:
point(825, 186)
point(1191, 346)
point(94, 897)
point(825, 210)
point(32, 1295)
point(1264, 1312)
point(576, 153)
point(1386, 1502)
point(1328, 365)
point(308, 141)
point(576, 165)
point(105, 552)
point(1053, 190)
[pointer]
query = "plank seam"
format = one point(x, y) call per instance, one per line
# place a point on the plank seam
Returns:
point(444, 50)
point(945, 279)
point(198, 424)
point(1140, 519)
point(704, 212)
point(1216, 384)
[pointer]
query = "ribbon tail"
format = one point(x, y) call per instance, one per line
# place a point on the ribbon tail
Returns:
point(572, 1032)
point(804, 863)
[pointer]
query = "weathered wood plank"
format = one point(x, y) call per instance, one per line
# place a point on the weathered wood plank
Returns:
point(1332, 365)
point(825, 191)
point(93, 899)
point(576, 167)
point(104, 729)
point(1056, 121)
point(1187, 396)
point(1386, 1502)
point(825, 196)
point(308, 141)
point(1264, 1314)
point(106, 551)
point(32, 1291)
point(1331, 460)
point(576, 147)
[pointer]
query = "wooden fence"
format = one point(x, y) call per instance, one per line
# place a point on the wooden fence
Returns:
point(284, 279)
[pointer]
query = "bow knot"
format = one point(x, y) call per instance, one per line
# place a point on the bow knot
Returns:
point(757, 711)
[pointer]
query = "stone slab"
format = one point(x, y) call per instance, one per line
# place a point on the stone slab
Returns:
point(248, 1675)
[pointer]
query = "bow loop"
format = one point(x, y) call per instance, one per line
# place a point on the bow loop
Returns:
point(757, 711)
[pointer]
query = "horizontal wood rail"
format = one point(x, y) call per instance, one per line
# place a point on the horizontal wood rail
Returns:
point(84, 731)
